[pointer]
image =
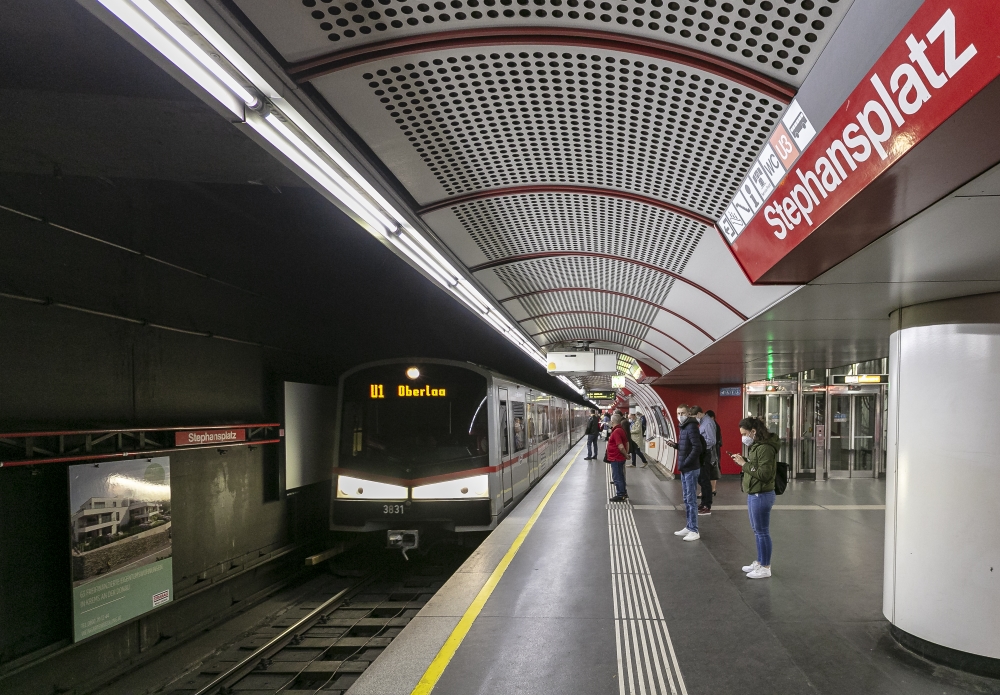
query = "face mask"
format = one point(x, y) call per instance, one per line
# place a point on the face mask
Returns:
point(682, 419)
point(747, 440)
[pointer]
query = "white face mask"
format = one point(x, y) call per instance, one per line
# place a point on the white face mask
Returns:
point(747, 440)
point(682, 419)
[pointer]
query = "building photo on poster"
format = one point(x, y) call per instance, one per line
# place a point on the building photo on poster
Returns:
point(121, 544)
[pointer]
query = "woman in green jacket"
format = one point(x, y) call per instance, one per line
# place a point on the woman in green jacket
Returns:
point(759, 468)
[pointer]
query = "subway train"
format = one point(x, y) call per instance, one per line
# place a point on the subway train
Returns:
point(427, 444)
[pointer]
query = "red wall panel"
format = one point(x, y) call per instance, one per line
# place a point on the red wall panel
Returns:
point(728, 411)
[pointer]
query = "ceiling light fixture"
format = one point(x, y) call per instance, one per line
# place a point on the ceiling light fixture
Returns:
point(188, 41)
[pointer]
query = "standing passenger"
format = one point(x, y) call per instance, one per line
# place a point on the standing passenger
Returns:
point(635, 446)
point(759, 469)
point(617, 449)
point(689, 450)
point(593, 429)
point(717, 471)
point(706, 426)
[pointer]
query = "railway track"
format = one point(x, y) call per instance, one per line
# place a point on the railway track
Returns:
point(323, 643)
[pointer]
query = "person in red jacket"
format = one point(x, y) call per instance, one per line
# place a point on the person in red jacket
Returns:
point(617, 449)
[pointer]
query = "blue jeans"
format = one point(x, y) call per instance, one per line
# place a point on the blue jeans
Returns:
point(618, 477)
point(689, 485)
point(759, 506)
point(592, 446)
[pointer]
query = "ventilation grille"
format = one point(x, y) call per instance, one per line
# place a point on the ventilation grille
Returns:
point(596, 119)
point(516, 225)
point(581, 271)
point(779, 38)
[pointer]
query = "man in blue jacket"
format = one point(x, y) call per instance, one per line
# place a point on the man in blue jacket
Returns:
point(689, 451)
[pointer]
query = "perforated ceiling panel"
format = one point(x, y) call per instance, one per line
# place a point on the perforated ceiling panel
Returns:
point(491, 119)
point(516, 225)
point(622, 326)
point(605, 335)
point(582, 271)
point(778, 38)
point(588, 303)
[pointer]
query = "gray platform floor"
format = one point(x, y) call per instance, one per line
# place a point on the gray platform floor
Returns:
point(550, 627)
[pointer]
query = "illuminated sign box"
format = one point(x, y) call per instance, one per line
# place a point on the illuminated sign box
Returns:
point(860, 379)
point(618, 382)
point(601, 395)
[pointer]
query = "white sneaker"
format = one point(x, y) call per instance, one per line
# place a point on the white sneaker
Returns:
point(683, 532)
point(751, 567)
point(693, 536)
point(759, 573)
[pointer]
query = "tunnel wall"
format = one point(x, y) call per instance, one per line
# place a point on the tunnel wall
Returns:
point(65, 369)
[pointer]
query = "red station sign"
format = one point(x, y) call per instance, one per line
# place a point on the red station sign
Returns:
point(947, 53)
point(202, 437)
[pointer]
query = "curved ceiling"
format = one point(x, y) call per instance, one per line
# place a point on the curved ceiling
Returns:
point(572, 154)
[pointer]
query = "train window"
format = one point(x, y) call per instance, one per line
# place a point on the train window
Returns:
point(433, 423)
point(519, 426)
point(504, 426)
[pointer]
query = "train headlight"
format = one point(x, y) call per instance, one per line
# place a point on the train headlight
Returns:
point(476, 487)
point(357, 489)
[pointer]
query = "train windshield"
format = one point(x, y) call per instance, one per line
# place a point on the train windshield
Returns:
point(414, 420)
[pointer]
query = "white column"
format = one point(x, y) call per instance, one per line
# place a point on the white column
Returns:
point(942, 542)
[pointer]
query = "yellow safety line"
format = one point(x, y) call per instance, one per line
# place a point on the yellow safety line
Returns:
point(436, 669)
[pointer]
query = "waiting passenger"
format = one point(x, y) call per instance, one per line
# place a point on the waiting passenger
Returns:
point(717, 472)
point(689, 450)
point(635, 442)
point(759, 469)
point(593, 429)
point(706, 426)
point(617, 449)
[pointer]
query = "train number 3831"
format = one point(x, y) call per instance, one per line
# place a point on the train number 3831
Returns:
point(392, 509)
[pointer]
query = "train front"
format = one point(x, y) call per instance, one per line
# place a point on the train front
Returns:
point(413, 452)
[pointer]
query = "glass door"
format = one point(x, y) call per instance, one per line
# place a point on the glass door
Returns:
point(778, 413)
point(812, 452)
point(853, 421)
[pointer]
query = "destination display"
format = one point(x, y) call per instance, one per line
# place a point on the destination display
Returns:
point(601, 395)
point(403, 391)
point(121, 548)
point(945, 55)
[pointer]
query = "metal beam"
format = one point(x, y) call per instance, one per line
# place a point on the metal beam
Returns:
point(489, 193)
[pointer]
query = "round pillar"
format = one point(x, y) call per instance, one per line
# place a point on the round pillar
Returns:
point(942, 539)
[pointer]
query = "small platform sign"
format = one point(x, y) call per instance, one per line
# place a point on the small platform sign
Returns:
point(731, 391)
point(202, 437)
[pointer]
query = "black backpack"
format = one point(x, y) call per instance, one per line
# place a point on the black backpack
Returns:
point(780, 477)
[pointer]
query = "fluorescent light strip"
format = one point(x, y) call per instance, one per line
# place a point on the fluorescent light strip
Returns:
point(272, 135)
point(302, 147)
point(196, 52)
point(148, 30)
point(169, 38)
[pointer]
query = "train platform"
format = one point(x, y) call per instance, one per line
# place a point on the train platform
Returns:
point(575, 595)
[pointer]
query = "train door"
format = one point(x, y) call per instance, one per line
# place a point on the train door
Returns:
point(506, 470)
point(532, 433)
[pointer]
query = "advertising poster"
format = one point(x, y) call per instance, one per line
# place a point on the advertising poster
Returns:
point(121, 542)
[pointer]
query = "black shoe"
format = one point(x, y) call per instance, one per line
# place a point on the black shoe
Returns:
point(617, 499)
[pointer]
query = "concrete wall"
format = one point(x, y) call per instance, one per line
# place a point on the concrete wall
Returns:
point(64, 369)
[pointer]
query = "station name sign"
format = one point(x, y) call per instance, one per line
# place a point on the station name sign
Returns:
point(195, 437)
point(947, 53)
point(378, 391)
